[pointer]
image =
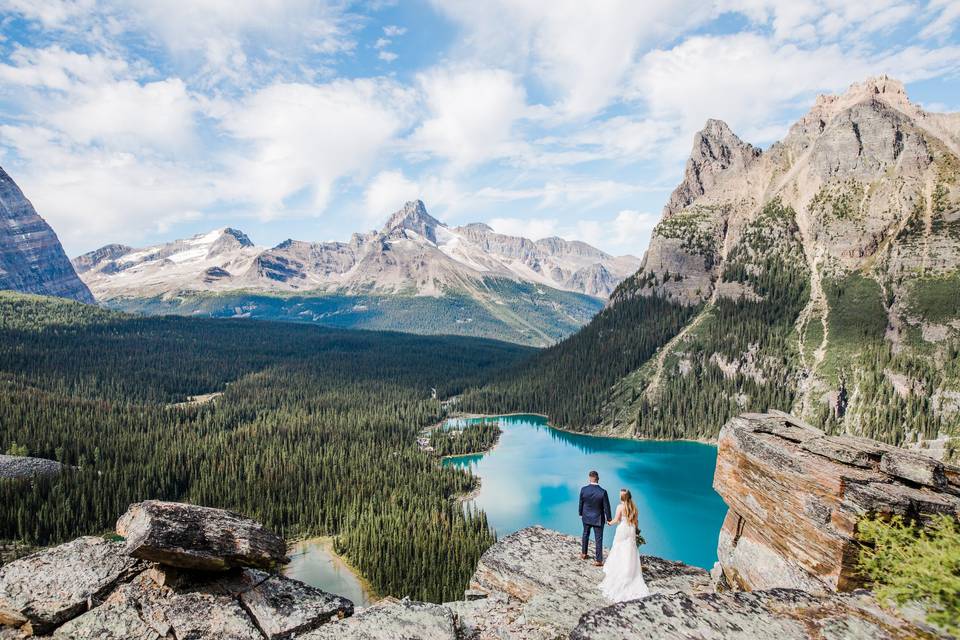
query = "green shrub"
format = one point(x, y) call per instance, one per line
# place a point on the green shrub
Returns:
point(906, 562)
point(17, 449)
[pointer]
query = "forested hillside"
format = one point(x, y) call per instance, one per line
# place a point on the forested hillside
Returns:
point(821, 277)
point(315, 432)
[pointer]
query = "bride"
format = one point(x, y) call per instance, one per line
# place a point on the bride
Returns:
point(623, 574)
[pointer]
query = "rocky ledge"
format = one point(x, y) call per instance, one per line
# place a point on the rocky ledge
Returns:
point(795, 496)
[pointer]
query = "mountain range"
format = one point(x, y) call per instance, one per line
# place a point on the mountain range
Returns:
point(820, 276)
point(416, 274)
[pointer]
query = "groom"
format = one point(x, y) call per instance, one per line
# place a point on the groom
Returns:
point(595, 512)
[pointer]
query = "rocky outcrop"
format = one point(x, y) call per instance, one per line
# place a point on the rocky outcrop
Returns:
point(31, 258)
point(42, 591)
point(795, 496)
point(779, 614)
point(393, 620)
point(25, 467)
point(92, 588)
point(202, 538)
point(533, 584)
point(716, 150)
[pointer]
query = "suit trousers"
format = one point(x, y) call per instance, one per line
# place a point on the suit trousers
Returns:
point(598, 539)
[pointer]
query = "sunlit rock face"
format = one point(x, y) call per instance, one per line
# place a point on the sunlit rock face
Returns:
point(795, 496)
point(31, 258)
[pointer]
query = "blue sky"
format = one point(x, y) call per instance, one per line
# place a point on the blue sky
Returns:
point(138, 121)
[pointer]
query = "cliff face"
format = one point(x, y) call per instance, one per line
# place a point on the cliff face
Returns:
point(825, 270)
point(31, 258)
point(795, 496)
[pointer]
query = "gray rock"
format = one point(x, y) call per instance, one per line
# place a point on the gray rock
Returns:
point(795, 502)
point(914, 467)
point(32, 259)
point(536, 560)
point(716, 152)
point(12, 467)
point(779, 614)
point(113, 621)
point(539, 587)
point(44, 590)
point(186, 610)
point(194, 537)
point(282, 607)
point(392, 620)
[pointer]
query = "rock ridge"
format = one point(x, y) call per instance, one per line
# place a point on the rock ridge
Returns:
point(796, 494)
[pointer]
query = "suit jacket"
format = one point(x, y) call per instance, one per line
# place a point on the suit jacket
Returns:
point(594, 505)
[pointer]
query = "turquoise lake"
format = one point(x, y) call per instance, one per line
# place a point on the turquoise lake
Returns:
point(534, 474)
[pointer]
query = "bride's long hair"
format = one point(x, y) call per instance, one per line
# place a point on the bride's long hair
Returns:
point(629, 507)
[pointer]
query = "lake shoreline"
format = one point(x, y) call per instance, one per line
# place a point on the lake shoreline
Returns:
point(326, 543)
point(674, 507)
point(469, 416)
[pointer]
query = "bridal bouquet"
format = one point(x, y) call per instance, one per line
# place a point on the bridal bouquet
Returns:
point(640, 539)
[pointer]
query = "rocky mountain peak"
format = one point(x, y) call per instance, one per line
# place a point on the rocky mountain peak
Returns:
point(229, 240)
point(31, 257)
point(239, 236)
point(716, 150)
point(882, 88)
point(414, 217)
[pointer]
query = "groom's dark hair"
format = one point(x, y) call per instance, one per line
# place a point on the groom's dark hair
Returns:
point(594, 476)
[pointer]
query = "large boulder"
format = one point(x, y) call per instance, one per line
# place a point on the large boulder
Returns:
point(779, 614)
point(15, 467)
point(392, 620)
point(242, 603)
point(44, 590)
point(194, 537)
point(795, 496)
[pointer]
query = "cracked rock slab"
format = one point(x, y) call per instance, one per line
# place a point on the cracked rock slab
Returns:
point(392, 620)
point(778, 614)
point(194, 611)
point(537, 560)
point(194, 537)
point(282, 607)
point(46, 589)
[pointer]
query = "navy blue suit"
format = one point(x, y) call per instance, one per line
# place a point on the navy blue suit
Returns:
point(595, 512)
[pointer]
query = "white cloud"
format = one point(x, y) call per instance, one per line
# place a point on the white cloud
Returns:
point(471, 115)
point(93, 195)
point(303, 138)
point(61, 70)
point(750, 81)
point(130, 115)
point(50, 13)
point(218, 42)
point(581, 50)
point(393, 30)
point(389, 190)
point(533, 228)
point(946, 15)
point(627, 232)
point(387, 56)
point(555, 194)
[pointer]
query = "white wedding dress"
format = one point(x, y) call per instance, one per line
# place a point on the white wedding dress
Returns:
point(623, 574)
